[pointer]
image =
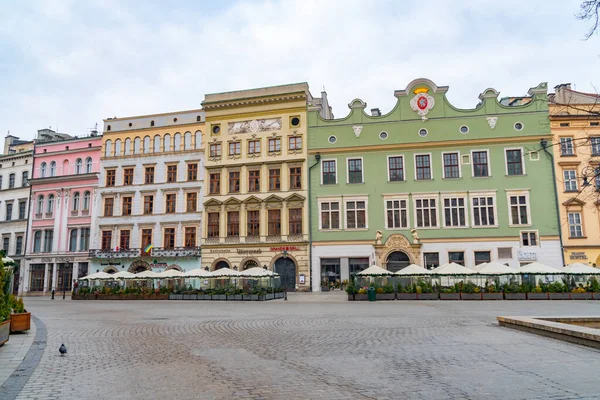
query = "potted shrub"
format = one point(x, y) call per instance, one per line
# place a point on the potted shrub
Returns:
point(580, 293)
point(5, 305)
point(558, 291)
point(490, 293)
point(425, 291)
point(512, 291)
point(470, 291)
point(361, 294)
point(406, 293)
point(351, 290)
point(537, 293)
point(450, 293)
point(386, 292)
point(20, 319)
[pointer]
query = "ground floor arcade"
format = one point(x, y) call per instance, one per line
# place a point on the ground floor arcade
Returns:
point(41, 275)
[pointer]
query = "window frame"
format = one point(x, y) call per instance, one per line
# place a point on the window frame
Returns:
point(215, 150)
point(488, 162)
point(237, 148)
point(506, 150)
point(275, 141)
point(277, 177)
point(192, 172)
point(109, 207)
point(422, 196)
point(362, 170)
point(189, 201)
point(464, 253)
point(465, 207)
point(356, 199)
point(111, 177)
point(458, 164)
point(170, 203)
point(529, 232)
point(216, 181)
point(239, 181)
point(254, 142)
point(172, 173)
point(580, 224)
point(172, 237)
point(210, 225)
point(295, 146)
point(128, 173)
point(293, 186)
point(274, 225)
point(407, 209)
point(572, 141)
point(335, 173)
point(231, 224)
point(570, 180)
point(123, 205)
point(340, 211)
point(253, 224)
point(517, 194)
point(430, 166)
point(403, 167)
point(479, 195)
point(294, 222)
point(124, 238)
point(148, 206)
point(254, 180)
point(106, 240)
point(190, 237)
point(149, 172)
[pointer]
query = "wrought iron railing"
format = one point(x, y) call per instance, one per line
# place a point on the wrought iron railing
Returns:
point(176, 251)
point(121, 253)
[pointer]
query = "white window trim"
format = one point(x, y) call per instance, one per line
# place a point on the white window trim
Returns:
point(488, 249)
point(574, 153)
point(459, 164)
point(336, 169)
point(362, 172)
point(564, 181)
point(466, 207)
point(518, 193)
point(489, 163)
point(321, 200)
point(461, 250)
point(506, 149)
point(392, 198)
point(483, 194)
point(537, 236)
point(430, 165)
point(437, 209)
point(356, 198)
point(580, 224)
point(403, 167)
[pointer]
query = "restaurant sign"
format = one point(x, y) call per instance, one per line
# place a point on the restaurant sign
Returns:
point(285, 248)
point(578, 255)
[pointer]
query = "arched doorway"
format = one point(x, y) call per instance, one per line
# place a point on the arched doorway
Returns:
point(139, 266)
point(111, 270)
point(286, 268)
point(397, 260)
point(221, 264)
point(175, 266)
point(250, 264)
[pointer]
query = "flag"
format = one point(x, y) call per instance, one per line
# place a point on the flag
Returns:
point(148, 248)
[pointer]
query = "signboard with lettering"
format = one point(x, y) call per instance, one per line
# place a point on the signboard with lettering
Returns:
point(285, 248)
point(527, 255)
point(249, 251)
point(578, 255)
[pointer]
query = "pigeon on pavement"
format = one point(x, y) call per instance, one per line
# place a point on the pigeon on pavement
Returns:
point(62, 349)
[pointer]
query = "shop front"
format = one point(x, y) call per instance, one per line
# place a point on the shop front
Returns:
point(114, 263)
point(584, 255)
point(41, 275)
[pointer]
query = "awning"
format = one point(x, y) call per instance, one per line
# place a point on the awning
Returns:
point(413, 270)
point(374, 270)
point(453, 269)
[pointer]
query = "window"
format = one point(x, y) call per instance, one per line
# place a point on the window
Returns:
point(296, 178)
point(43, 170)
point(215, 183)
point(146, 241)
point(53, 168)
point(454, 212)
point(148, 204)
point(329, 172)
point(566, 146)
point(519, 210)
point(529, 238)
point(128, 176)
point(332, 139)
point(396, 213)
point(215, 150)
point(9, 210)
point(484, 213)
point(192, 172)
point(19, 245)
point(78, 166)
point(190, 236)
point(50, 205)
point(169, 238)
point(295, 143)
point(0, 179)
point(86, 201)
point(482, 257)
point(11, 181)
point(355, 170)
point(565, 124)
point(274, 222)
point(451, 167)
point(396, 169)
point(37, 241)
point(330, 215)
point(356, 214)
point(330, 271)
point(36, 282)
point(127, 203)
point(124, 239)
point(235, 148)
point(25, 179)
point(457, 257)
point(40, 204)
point(575, 226)
point(108, 206)
point(170, 203)
point(514, 162)
point(254, 181)
point(110, 177)
point(426, 213)
point(191, 203)
point(233, 223)
point(234, 182)
point(480, 164)
point(254, 147)
point(253, 223)
point(357, 264)
point(213, 225)
point(84, 240)
point(595, 143)
point(570, 179)
point(48, 238)
point(171, 173)
point(73, 240)
point(22, 209)
point(432, 260)
point(88, 165)
point(127, 150)
point(149, 175)
point(76, 201)
point(274, 144)
point(423, 167)
point(274, 179)
point(295, 220)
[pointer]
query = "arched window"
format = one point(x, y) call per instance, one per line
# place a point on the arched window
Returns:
point(136, 145)
point(198, 139)
point(117, 147)
point(151, 123)
point(167, 143)
point(78, 166)
point(76, 201)
point(88, 165)
point(50, 206)
point(108, 128)
point(73, 240)
point(147, 147)
point(187, 141)
point(157, 144)
point(53, 168)
point(40, 204)
point(86, 201)
point(108, 148)
point(177, 141)
point(127, 146)
point(43, 170)
point(198, 119)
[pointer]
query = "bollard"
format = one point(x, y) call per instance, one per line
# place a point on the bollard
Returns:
point(52, 295)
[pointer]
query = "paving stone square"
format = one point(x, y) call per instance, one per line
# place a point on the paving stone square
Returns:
point(314, 346)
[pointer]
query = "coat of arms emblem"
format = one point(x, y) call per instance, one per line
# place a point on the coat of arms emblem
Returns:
point(422, 102)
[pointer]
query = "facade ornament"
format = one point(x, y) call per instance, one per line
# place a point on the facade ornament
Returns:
point(357, 130)
point(415, 236)
point(422, 102)
point(255, 125)
point(492, 121)
point(378, 237)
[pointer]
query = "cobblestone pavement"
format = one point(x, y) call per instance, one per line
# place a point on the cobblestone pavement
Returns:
point(13, 352)
point(307, 348)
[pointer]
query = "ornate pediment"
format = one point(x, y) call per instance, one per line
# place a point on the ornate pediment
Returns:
point(251, 199)
point(295, 197)
point(274, 199)
point(574, 202)
point(212, 202)
point(232, 200)
point(255, 125)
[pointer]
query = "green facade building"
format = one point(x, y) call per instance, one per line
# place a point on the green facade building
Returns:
point(428, 183)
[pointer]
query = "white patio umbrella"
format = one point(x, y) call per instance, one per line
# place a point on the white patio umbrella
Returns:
point(495, 268)
point(374, 270)
point(413, 270)
point(198, 273)
point(97, 275)
point(452, 269)
point(170, 273)
point(479, 266)
point(146, 275)
point(225, 272)
point(581, 269)
point(122, 275)
point(538, 268)
point(258, 272)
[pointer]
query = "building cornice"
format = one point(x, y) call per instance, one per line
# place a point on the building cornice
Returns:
point(70, 151)
point(64, 178)
point(15, 156)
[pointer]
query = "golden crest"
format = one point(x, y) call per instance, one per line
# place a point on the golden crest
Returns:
point(421, 90)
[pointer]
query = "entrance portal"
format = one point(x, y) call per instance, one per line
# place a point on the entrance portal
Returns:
point(221, 264)
point(397, 261)
point(286, 268)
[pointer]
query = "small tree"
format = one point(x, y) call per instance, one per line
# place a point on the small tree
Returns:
point(5, 303)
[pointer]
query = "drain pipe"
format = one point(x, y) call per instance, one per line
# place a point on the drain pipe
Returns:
point(310, 262)
point(544, 144)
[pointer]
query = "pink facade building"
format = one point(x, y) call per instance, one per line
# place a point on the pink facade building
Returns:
point(65, 175)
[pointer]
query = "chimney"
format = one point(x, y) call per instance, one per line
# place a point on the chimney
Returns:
point(375, 112)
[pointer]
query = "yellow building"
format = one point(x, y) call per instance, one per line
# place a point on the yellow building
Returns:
point(575, 124)
point(255, 208)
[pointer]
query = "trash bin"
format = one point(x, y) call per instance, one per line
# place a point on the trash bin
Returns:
point(371, 293)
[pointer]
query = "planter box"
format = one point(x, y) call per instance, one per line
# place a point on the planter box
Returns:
point(385, 296)
point(202, 297)
point(219, 297)
point(583, 296)
point(190, 296)
point(279, 295)
point(361, 297)
point(449, 296)
point(324, 288)
point(493, 296)
point(537, 296)
point(20, 322)
point(270, 296)
point(4, 331)
point(406, 296)
point(350, 297)
point(237, 297)
point(175, 297)
point(558, 296)
point(428, 296)
point(470, 296)
point(515, 296)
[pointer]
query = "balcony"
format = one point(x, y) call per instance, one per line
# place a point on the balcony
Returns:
point(232, 239)
point(176, 252)
point(295, 238)
point(121, 253)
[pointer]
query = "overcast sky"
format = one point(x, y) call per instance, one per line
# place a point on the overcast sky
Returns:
point(73, 63)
